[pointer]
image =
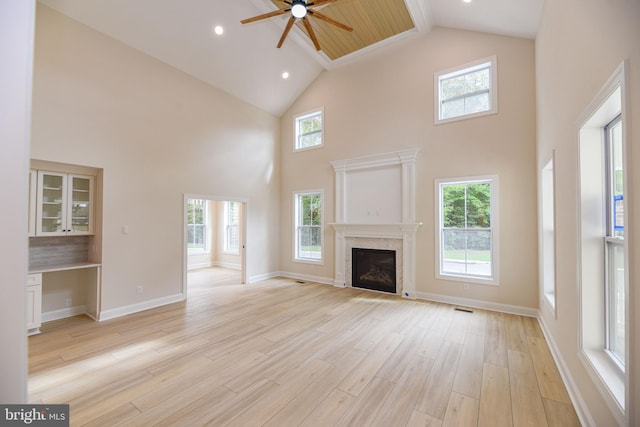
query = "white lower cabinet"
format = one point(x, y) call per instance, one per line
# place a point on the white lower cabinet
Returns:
point(34, 303)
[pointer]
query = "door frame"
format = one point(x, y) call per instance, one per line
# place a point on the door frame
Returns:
point(243, 230)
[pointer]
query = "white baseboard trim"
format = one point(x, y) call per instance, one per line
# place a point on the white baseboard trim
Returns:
point(63, 313)
point(574, 393)
point(484, 305)
point(227, 265)
point(307, 278)
point(141, 306)
point(261, 277)
point(199, 265)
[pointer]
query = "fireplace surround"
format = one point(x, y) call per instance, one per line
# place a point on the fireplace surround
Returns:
point(375, 209)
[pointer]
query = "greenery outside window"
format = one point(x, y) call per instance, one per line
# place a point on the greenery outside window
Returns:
point(466, 91)
point(308, 226)
point(232, 227)
point(197, 225)
point(467, 243)
point(308, 130)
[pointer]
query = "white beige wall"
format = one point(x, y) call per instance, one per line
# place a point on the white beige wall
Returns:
point(385, 103)
point(158, 134)
point(16, 47)
point(579, 46)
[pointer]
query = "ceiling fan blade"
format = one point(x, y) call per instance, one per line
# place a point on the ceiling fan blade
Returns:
point(286, 31)
point(312, 35)
point(265, 16)
point(331, 21)
point(320, 2)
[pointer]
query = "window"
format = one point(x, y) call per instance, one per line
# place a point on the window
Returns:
point(467, 91)
point(197, 225)
point(232, 227)
point(308, 226)
point(603, 253)
point(308, 130)
point(467, 243)
point(614, 242)
point(548, 247)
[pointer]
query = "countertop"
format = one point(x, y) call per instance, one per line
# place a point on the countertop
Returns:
point(61, 267)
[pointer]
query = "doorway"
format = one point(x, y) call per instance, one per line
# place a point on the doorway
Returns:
point(214, 251)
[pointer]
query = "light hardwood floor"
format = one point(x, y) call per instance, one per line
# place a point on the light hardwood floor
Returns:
point(282, 353)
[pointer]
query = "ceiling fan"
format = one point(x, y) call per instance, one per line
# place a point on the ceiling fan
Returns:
point(301, 10)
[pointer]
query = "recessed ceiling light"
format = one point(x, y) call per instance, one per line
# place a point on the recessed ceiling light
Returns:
point(467, 1)
point(285, 75)
point(218, 30)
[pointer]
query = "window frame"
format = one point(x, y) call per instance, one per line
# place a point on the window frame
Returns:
point(464, 69)
point(296, 125)
point(494, 279)
point(612, 242)
point(207, 246)
point(297, 195)
point(229, 226)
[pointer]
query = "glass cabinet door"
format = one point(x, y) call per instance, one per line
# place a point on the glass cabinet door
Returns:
point(80, 199)
point(51, 205)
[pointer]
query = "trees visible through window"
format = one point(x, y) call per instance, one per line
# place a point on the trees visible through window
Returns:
point(466, 91)
point(308, 226)
point(308, 129)
point(466, 232)
point(196, 225)
point(232, 227)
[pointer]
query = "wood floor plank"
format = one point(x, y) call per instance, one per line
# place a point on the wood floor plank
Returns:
point(282, 353)
point(560, 414)
point(420, 419)
point(461, 411)
point(495, 400)
point(358, 379)
point(330, 410)
point(526, 401)
point(434, 397)
point(549, 381)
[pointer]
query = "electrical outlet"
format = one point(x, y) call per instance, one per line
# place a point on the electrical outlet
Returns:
point(139, 290)
point(466, 286)
point(68, 302)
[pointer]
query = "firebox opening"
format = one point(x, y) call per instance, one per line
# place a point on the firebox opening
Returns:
point(374, 269)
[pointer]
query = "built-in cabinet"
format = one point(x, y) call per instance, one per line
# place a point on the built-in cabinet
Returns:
point(64, 204)
point(34, 303)
point(65, 239)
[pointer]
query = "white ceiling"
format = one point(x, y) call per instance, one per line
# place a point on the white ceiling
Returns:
point(244, 60)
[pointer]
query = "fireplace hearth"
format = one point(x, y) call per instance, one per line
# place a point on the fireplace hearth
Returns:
point(374, 269)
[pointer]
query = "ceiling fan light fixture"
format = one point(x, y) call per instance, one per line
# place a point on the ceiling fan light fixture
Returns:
point(299, 9)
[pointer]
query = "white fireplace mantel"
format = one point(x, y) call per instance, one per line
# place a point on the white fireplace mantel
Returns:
point(375, 199)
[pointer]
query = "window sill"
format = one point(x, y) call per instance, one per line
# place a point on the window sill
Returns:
point(440, 121)
point(468, 279)
point(309, 261)
point(313, 147)
point(607, 377)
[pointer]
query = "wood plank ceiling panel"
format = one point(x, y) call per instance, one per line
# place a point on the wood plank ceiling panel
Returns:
point(372, 21)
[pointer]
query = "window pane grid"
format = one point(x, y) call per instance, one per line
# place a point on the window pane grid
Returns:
point(467, 91)
point(309, 130)
point(308, 239)
point(196, 224)
point(466, 232)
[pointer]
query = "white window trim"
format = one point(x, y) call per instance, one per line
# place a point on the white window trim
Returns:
point(547, 249)
point(295, 129)
point(606, 375)
point(207, 237)
point(225, 246)
point(295, 228)
point(462, 69)
point(495, 235)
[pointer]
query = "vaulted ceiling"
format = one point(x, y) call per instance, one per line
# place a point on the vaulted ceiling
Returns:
point(244, 60)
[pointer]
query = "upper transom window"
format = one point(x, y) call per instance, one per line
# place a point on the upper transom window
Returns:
point(308, 130)
point(466, 91)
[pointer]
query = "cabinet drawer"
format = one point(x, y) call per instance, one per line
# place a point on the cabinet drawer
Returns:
point(34, 279)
